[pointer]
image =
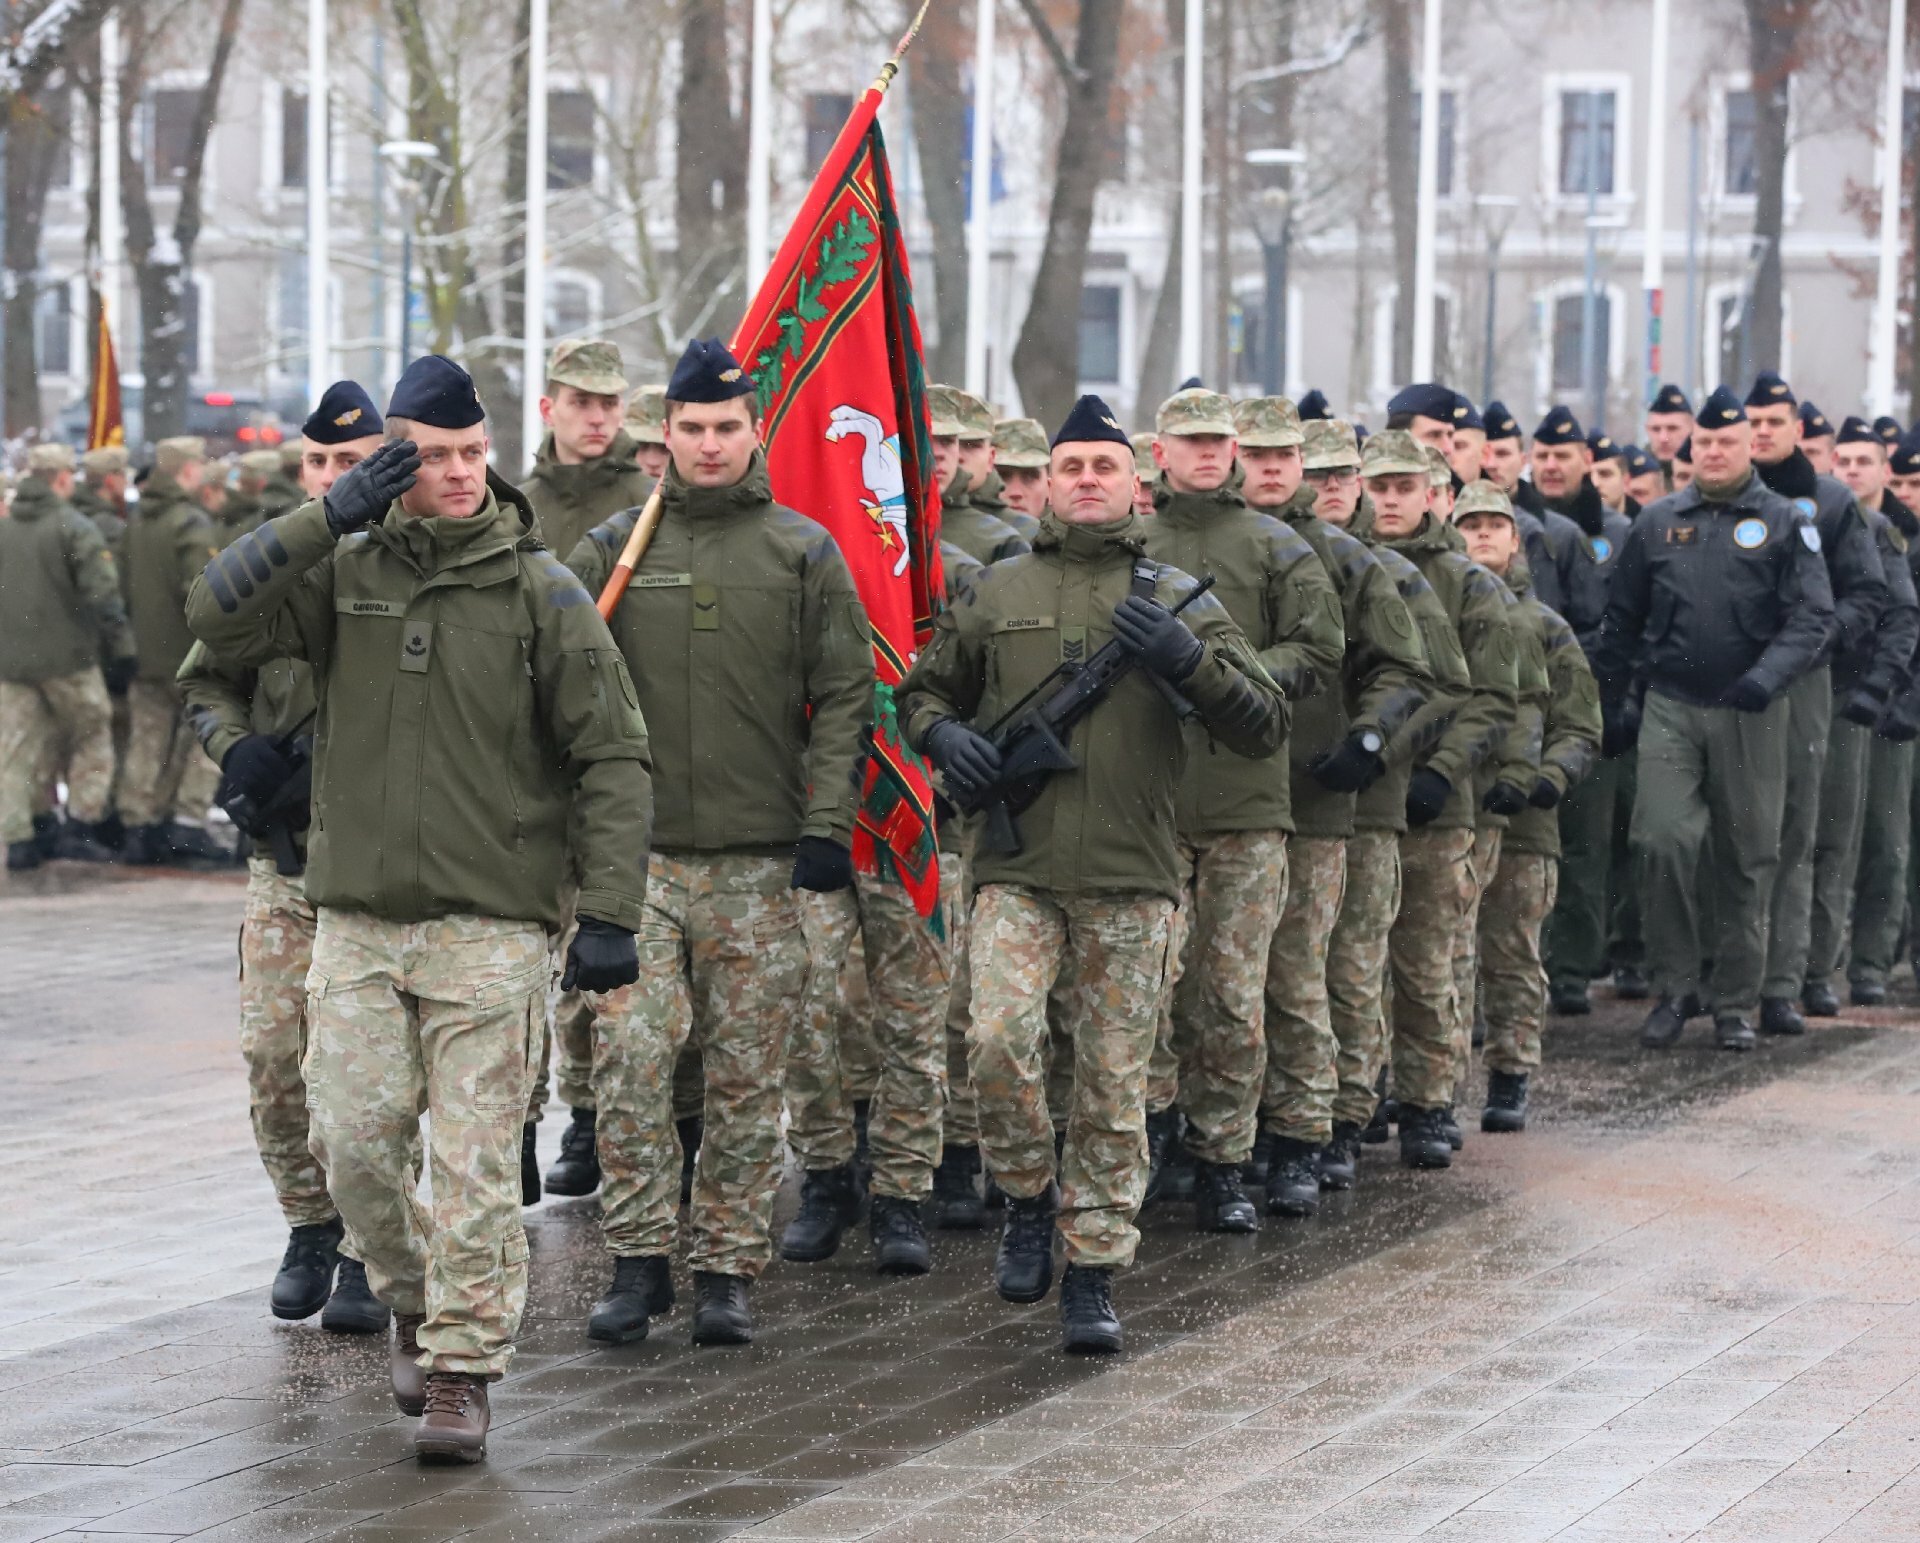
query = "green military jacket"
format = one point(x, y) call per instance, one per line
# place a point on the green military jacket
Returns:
point(1283, 602)
point(169, 540)
point(227, 702)
point(1570, 730)
point(109, 521)
point(61, 609)
point(241, 513)
point(1476, 606)
point(571, 500)
point(479, 744)
point(986, 537)
point(754, 662)
point(1107, 827)
point(1384, 805)
point(1385, 676)
point(1516, 760)
point(989, 496)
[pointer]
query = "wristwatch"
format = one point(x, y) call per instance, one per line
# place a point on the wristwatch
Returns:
point(1370, 741)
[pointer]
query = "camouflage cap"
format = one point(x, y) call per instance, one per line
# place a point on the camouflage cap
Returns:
point(1143, 459)
point(958, 414)
point(170, 455)
point(1329, 443)
point(1267, 423)
point(105, 461)
point(1392, 452)
point(1021, 443)
point(587, 364)
point(647, 415)
point(260, 463)
point(53, 457)
point(292, 452)
point(1482, 497)
point(1439, 470)
point(1194, 411)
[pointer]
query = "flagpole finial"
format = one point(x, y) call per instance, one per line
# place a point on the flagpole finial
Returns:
point(892, 67)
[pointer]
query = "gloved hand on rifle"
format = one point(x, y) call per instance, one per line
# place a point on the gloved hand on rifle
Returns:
point(364, 493)
point(968, 760)
point(1166, 644)
point(601, 957)
point(253, 768)
point(821, 865)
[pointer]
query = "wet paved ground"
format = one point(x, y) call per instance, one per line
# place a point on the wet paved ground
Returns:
point(1683, 1306)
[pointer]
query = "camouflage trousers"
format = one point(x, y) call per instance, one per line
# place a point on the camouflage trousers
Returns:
point(1357, 970)
point(1436, 893)
point(1210, 1051)
point(566, 1037)
point(449, 1009)
point(276, 954)
point(907, 983)
point(1111, 953)
point(1302, 1053)
point(961, 1126)
point(723, 959)
point(1483, 865)
point(1513, 976)
point(159, 745)
point(39, 722)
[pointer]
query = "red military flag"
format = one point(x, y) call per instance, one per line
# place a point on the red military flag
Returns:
point(833, 346)
point(105, 423)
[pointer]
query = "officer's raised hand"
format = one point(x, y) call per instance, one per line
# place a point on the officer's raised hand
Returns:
point(601, 956)
point(821, 865)
point(1166, 644)
point(366, 491)
point(968, 760)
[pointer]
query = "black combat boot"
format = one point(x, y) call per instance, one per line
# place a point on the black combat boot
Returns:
point(1778, 1015)
point(1456, 1138)
point(23, 856)
point(899, 1236)
point(46, 832)
point(1733, 1032)
point(720, 1315)
point(1255, 1169)
point(1568, 998)
point(306, 1270)
point(1506, 1102)
point(1664, 1023)
point(1180, 1179)
point(145, 846)
point(956, 1190)
point(1423, 1139)
point(1219, 1203)
point(1163, 1133)
point(1340, 1157)
point(1086, 1311)
point(576, 1171)
point(76, 843)
point(692, 1130)
point(529, 1164)
point(1376, 1132)
point(1023, 1269)
point(642, 1288)
point(1293, 1182)
point(353, 1308)
point(1630, 985)
point(1868, 993)
point(1820, 1000)
point(189, 846)
point(829, 1205)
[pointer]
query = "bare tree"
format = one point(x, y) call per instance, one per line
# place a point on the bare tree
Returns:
point(710, 176)
point(46, 32)
point(1402, 152)
point(940, 136)
point(1775, 33)
point(36, 134)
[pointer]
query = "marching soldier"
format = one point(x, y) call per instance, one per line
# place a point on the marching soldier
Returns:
point(1817, 440)
point(1468, 456)
point(61, 613)
point(1233, 816)
point(1553, 544)
point(961, 426)
point(1646, 481)
point(1427, 411)
point(102, 498)
point(1088, 898)
point(1680, 472)
point(1859, 587)
point(645, 425)
point(1020, 457)
point(1669, 422)
point(584, 469)
point(755, 670)
point(1338, 744)
point(435, 621)
point(248, 503)
point(1721, 599)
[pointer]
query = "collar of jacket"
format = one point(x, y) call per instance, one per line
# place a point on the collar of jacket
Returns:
point(1189, 509)
point(435, 545)
point(1528, 497)
point(752, 491)
point(1793, 477)
point(1583, 507)
point(1902, 517)
point(1360, 527)
point(958, 493)
point(988, 490)
point(1299, 507)
point(1519, 577)
point(1118, 539)
point(1432, 536)
point(160, 493)
point(33, 499)
point(1698, 493)
point(615, 461)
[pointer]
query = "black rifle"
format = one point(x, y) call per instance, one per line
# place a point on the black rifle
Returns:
point(1032, 735)
point(285, 811)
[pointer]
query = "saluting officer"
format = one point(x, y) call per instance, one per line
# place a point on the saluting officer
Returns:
point(1088, 901)
point(1722, 600)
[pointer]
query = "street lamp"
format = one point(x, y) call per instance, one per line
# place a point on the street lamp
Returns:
point(1273, 223)
point(407, 157)
point(1498, 211)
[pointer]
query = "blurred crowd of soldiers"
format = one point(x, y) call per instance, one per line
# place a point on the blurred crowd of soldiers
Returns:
point(1371, 751)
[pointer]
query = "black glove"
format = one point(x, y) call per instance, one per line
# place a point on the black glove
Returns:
point(1747, 695)
point(1165, 644)
point(255, 767)
point(1504, 798)
point(1619, 729)
point(1864, 708)
point(1545, 794)
point(1899, 728)
point(1349, 767)
point(601, 956)
point(968, 759)
point(1427, 795)
point(119, 674)
point(365, 492)
point(821, 865)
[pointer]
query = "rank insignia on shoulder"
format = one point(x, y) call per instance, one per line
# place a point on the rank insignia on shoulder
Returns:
point(1811, 536)
point(1681, 535)
point(1749, 534)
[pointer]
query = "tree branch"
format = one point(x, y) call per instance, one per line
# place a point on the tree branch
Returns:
point(27, 58)
point(1070, 72)
point(186, 223)
point(1335, 53)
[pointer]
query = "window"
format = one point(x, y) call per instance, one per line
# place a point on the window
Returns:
point(1569, 325)
point(53, 316)
point(1449, 118)
point(827, 113)
point(170, 132)
point(1586, 141)
point(293, 139)
point(291, 298)
point(571, 139)
point(1731, 327)
point(1100, 333)
point(572, 307)
point(1738, 177)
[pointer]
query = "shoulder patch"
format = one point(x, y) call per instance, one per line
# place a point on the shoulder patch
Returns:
point(1807, 507)
point(1810, 534)
point(1601, 548)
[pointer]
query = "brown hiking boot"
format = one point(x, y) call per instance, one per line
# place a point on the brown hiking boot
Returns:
point(455, 1425)
point(409, 1376)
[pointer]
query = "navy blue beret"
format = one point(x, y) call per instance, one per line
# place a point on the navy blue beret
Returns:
point(1313, 406)
point(708, 372)
point(1500, 423)
point(1813, 422)
point(1426, 400)
point(1769, 389)
point(1559, 427)
point(1091, 419)
point(1722, 410)
point(1671, 400)
point(1857, 431)
point(345, 412)
point(435, 391)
